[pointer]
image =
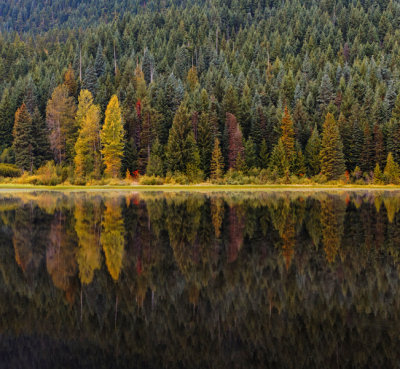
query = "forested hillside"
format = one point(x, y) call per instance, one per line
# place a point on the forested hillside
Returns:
point(263, 90)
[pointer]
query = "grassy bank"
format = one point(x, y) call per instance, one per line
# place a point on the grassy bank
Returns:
point(201, 187)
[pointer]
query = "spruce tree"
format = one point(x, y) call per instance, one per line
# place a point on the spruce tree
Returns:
point(331, 154)
point(90, 79)
point(178, 149)
point(392, 170)
point(155, 166)
point(99, 62)
point(42, 152)
point(250, 155)
point(112, 138)
point(279, 162)
point(205, 139)
point(263, 157)
point(6, 120)
point(287, 136)
point(312, 153)
point(23, 143)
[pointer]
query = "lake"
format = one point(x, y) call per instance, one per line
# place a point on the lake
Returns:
point(192, 280)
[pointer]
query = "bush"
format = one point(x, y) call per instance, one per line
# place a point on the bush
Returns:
point(9, 170)
point(47, 175)
point(151, 181)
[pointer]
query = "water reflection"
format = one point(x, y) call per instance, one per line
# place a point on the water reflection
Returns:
point(288, 279)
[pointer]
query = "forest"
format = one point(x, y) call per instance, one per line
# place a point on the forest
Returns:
point(228, 92)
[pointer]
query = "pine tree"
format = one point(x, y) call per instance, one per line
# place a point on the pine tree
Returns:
point(288, 136)
point(90, 79)
point(379, 146)
point(6, 120)
point(178, 149)
point(155, 166)
point(392, 170)
point(312, 153)
point(99, 62)
point(331, 154)
point(23, 144)
point(87, 147)
point(217, 162)
point(205, 139)
point(279, 162)
point(367, 153)
point(112, 138)
point(263, 157)
point(234, 140)
point(42, 152)
point(250, 155)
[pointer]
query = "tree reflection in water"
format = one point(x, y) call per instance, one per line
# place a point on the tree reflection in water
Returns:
point(179, 280)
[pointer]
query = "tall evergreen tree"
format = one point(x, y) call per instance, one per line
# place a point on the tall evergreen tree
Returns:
point(331, 154)
point(312, 153)
point(42, 151)
point(6, 120)
point(287, 137)
point(23, 142)
point(217, 162)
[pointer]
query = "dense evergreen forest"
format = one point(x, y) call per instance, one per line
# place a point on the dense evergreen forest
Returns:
point(229, 91)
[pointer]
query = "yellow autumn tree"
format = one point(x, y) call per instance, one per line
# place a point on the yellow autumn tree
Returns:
point(112, 138)
point(87, 224)
point(87, 146)
point(112, 237)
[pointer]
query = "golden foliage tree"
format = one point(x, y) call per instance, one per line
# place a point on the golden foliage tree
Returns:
point(112, 138)
point(112, 237)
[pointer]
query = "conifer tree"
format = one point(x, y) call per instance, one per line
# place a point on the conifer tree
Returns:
point(205, 139)
point(287, 137)
point(234, 140)
point(155, 166)
point(112, 138)
point(179, 149)
point(217, 162)
point(6, 120)
point(392, 170)
point(70, 82)
point(250, 155)
point(42, 152)
point(331, 154)
point(312, 153)
point(367, 153)
point(90, 79)
point(279, 162)
point(263, 157)
point(23, 143)
point(99, 62)
point(379, 146)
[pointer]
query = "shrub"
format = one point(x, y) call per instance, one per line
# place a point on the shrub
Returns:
point(9, 170)
point(151, 180)
point(47, 175)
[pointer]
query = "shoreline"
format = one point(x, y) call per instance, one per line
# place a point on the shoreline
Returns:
point(201, 188)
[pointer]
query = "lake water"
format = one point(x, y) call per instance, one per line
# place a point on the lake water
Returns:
point(219, 280)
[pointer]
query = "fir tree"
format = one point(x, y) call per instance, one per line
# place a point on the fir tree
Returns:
point(112, 138)
point(23, 143)
point(392, 170)
point(263, 157)
point(90, 80)
point(287, 137)
point(279, 162)
point(178, 151)
point(250, 155)
point(6, 120)
point(312, 153)
point(42, 152)
point(331, 154)
point(155, 166)
point(217, 162)
point(99, 62)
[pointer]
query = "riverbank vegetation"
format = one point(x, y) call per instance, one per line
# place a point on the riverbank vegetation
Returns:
point(179, 93)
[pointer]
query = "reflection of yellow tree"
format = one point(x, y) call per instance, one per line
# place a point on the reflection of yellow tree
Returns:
point(112, 237)
point(236, 232)
point(332, 216)
point(217, 214)
point(87, 227)
point(60, 256)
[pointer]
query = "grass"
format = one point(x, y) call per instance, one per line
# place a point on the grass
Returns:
point(199, 187)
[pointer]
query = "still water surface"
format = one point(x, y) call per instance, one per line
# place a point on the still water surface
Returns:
point(179, 280)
